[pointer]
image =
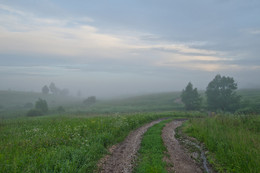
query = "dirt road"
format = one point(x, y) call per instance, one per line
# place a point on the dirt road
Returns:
point(182, 163)
point(123, 155)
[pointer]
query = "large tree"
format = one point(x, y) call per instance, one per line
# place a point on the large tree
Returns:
point(221, 94)
point(45, 90)
point(191, 98)
point(54, 89)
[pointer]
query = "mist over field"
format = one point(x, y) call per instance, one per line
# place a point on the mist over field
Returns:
point(129, 86)
point(113, 48)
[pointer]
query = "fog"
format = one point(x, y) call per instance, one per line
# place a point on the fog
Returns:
point(112, 49)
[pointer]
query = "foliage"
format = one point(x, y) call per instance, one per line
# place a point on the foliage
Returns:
point(191, 98)
point(41, 108)
point(45, 89)
point(62, 143)
point(41, 105)
point(54, 89)
point(221, 94)
point(57, 91)
point(233, 141)
point(90, 100)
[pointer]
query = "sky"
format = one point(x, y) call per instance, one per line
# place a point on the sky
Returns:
point(111, 48)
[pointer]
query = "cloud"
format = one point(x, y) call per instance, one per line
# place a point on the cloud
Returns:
point(12, 10)
point(254, 31)
point(26, 34)
point(36, 70)
point(251, 31)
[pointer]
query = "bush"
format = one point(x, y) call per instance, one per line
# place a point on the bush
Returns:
point(41, 108)
point(41, 105)
point(90, 100)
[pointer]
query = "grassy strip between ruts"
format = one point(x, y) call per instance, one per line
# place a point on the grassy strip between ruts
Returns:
point(64, 143)
point(152, 151)
point(233, 141)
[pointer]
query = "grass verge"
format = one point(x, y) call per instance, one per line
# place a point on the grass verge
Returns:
point(152, 151)
point(233, 141)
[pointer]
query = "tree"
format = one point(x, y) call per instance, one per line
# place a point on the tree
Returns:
point(41, 105)
point(221, 94)
point(54, 89)
point(191, 98)
point(41, 108)
point(45, 90)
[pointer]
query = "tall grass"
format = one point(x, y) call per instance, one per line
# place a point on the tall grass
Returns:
point(234, 141)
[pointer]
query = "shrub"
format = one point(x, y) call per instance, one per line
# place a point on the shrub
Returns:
point(90, 100)
point(41, 108)
point(41, 105)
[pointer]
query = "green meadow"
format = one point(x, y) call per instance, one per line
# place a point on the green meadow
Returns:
point(64, 143)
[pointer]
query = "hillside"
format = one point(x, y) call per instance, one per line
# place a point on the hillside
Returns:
point(16, 100)
point(19, 99)
point(152, 102)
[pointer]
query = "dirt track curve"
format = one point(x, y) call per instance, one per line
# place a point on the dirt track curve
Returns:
point(123, 155)
point(182, 163)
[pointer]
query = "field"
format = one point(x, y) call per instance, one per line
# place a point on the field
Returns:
point(13, 104)
point(62, 143)
point(75, 140)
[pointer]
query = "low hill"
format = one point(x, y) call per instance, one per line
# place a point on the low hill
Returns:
point(20, 99)
point(151, 102)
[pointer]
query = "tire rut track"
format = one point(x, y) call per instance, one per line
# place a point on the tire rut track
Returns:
point(123, 155)
point(182, 163)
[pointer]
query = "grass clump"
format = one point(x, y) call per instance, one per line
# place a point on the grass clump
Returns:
point(152, 151)
point(233, 141)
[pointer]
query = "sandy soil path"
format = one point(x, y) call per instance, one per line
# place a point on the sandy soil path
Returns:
point(123, 155)
point(182, 163)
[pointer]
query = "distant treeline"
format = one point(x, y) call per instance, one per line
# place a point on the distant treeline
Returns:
point(54, 90)
point(221, 95)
